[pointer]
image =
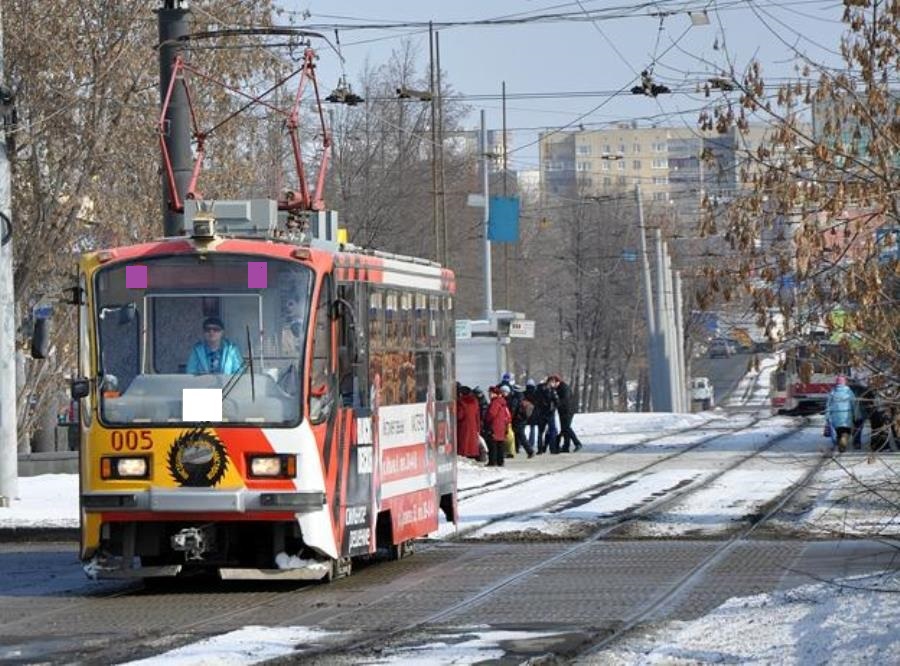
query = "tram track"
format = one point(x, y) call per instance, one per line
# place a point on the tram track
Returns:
point(690, 579)
point(610, 482)
point(492, 486)
point(606, 528)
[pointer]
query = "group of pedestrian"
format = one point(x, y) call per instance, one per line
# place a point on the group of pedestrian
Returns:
point(513, 418)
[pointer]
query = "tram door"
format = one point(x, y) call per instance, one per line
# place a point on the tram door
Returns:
point(359, 501)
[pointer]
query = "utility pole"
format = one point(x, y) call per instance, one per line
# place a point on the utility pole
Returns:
point(663, 334)
point(505, 193)
point(488, 287)
point(445, 259)
point(9, 461)
point(172, 18)
point(685, 404)
point(435, 216)
point(652, 331)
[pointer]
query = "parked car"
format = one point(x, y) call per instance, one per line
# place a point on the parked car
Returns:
point(702, 392)
point(721, 348)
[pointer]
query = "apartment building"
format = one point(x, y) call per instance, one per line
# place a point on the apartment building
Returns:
point(666, 161)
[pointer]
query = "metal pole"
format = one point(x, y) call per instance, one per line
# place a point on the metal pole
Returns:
point(434, 178)
point(648, 300)
point(9, 461)
point(671, 344)
point(506, 297)
point(662, 329)
point(488, 287)
point(173, 23)
point(445, 259)
point(679, 328)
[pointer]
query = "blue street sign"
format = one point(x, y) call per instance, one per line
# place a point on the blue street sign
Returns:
point(503, 220)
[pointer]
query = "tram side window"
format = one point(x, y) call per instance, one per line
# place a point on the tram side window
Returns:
point(434, 306)
point(421, 319)
point(422, 376)
point(391, 320)
point(449, 323)
point(406, 320)
point(351, 356)
point(376, 320)
point(440, 378)
point(320, 399)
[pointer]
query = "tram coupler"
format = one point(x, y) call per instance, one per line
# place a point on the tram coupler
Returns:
point(194, 542)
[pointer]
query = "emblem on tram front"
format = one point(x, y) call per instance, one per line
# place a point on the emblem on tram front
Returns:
point(198, 459)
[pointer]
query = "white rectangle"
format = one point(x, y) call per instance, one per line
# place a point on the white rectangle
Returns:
point(401, 425)
point(409, 485)
point(364, 430)
point(201, 404)
point(521, 328)
point(463, 329)
point(475, 200)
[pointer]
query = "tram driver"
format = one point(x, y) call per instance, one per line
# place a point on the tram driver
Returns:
point(214, 354)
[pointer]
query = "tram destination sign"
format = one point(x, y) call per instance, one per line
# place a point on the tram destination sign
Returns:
point(521, 328)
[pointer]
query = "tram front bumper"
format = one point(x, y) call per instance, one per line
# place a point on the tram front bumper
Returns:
point(192, 500)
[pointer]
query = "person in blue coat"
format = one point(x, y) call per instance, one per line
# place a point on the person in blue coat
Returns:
point(841, 412)
point(215, 354)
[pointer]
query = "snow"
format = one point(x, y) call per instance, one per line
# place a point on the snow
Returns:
point(247, 645)
point(850, 621)
point(45, 501)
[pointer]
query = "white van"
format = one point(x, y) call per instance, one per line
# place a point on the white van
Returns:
point(702, 393)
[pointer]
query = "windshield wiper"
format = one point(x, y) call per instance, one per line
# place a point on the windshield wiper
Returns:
point(252, 374)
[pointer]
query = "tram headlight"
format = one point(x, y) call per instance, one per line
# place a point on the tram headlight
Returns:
point(124, 467)
point(281, 466)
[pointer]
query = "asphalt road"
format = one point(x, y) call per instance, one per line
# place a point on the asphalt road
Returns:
point(724, 373)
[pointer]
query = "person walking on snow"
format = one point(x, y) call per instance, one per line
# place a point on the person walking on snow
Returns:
point(841, 411)
point(565, 407)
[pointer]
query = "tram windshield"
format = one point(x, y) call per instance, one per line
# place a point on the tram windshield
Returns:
point(202, 338)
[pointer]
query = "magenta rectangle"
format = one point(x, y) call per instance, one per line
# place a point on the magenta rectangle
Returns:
point(135, 277)
point(256, 275)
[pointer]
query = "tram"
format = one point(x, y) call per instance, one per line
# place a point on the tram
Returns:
point(258, 398)
point(802, 382)
point(319, 429)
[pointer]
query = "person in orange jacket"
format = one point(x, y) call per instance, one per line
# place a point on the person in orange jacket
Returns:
point(497, 419)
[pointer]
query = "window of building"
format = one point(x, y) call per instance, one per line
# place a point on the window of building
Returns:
point(584, 149)
point(585, 181)
point(636, 148)
point(636, 165)
point(607, 181)
point(659, 147)
point(604, 165)
point(621, 180)
point(660, 196)
point(660, 180)
point(621, 149)
point(621, 164)
point(584, 166)
point(607, 149)
point(660, 164)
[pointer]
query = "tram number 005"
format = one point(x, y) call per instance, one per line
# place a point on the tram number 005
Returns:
point(131, 440)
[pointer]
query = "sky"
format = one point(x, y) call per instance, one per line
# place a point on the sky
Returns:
point(600, 57)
